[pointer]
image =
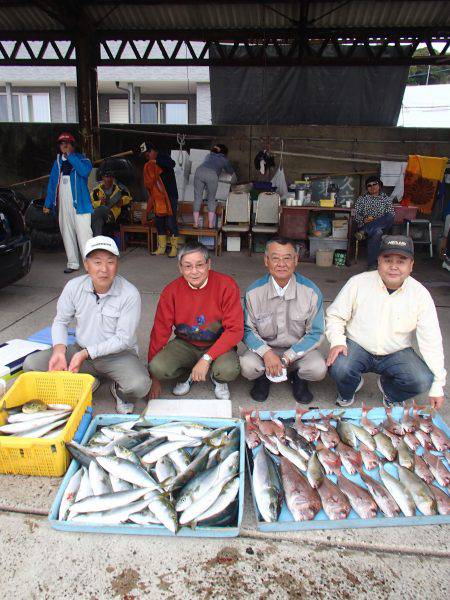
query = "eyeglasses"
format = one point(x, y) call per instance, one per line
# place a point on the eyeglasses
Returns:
point(369, 185)
point(285, 259)
point(198, 267)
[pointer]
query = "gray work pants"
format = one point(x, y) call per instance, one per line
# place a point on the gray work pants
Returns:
point(124, 368)
point(205, 178)
point(310, 367)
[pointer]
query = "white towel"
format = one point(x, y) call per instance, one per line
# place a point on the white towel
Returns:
point(391, 171)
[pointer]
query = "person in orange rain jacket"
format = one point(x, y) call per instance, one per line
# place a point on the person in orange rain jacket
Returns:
point(161, 185)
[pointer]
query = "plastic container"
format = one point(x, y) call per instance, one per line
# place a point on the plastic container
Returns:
point(321, 521)
point(327, 243)
point(324, 257)
point(37, 456)
point(151, 529)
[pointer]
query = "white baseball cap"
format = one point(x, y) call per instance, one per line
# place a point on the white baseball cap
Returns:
point(101, 242)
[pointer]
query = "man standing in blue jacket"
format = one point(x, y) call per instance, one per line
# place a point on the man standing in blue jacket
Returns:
point(68, 193)
point(283, 326)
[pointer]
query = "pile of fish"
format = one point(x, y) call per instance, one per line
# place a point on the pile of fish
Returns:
point(324, 463)
point(176, 473)
point(35, 419)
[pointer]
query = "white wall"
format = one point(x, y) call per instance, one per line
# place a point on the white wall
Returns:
point(425, 106)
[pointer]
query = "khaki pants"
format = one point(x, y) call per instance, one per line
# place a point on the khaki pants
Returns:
point(124, 368)
point(310, 367)
point(177, 358)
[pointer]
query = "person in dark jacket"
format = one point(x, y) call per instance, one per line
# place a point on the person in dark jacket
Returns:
point(161, 185)
point(374, 216)
point(68, 194)
point(207, 176)
point(108, 199)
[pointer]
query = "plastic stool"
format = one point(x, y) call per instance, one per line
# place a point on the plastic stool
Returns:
point(427, 224)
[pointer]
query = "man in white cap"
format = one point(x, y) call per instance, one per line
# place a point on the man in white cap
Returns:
point(106, 309)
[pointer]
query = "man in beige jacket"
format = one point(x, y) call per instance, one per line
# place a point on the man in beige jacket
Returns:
point(370, 327)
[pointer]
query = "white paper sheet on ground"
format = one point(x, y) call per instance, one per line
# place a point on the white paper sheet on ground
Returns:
point(204, 407)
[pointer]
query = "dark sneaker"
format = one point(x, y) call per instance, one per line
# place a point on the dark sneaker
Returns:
point(300, 390)
point(260, 389)
point(346, 403)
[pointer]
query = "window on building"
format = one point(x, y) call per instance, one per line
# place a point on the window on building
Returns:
point(118, 110)
point(27, 108)
point(164, 112)
point(149, 112)
point(174, 112)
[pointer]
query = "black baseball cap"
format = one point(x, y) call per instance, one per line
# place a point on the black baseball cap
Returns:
point(397, 244)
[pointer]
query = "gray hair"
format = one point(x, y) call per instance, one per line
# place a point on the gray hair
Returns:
point(284, 242)
point(191, 247)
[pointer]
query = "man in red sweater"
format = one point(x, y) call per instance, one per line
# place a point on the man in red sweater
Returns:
point(203, 308)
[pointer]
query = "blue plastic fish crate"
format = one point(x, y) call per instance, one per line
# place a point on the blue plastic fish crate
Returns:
point(160, 530)
point(353, 521)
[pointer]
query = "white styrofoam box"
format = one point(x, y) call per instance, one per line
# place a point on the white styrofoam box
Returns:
point(206, 407)
point(223, 189)
point(340, 229)
point(197, 156)
point(233, 243)
point(228, 178)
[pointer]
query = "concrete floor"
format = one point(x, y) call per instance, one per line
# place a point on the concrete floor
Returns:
point(43, 563)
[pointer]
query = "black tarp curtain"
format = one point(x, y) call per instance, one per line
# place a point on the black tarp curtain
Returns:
point(330, 95)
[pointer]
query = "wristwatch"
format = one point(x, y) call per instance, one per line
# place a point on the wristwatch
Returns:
point(207, 357)
point(284, 361)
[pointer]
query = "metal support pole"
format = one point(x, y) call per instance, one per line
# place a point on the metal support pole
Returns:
point(131, 102)
point(137, 104)
point(9, 103)
point(87, 51)
point(62, 89)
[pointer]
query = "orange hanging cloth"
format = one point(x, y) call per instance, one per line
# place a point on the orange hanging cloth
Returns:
point(422, 175)
point(159, 198)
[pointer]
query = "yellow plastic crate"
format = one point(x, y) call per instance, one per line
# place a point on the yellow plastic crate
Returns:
point(36, 456)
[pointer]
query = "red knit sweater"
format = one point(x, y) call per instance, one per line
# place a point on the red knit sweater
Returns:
point(210, 317)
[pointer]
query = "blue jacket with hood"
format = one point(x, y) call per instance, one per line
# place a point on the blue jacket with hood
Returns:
point(82, 166)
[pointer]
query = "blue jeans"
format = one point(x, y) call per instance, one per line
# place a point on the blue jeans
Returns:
point(403, 373)
point(375, 231)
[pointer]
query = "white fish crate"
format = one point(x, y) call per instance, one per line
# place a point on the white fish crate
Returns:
point(215, 531)
point(286, 521)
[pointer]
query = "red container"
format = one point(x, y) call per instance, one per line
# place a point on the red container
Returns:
point(404, 213)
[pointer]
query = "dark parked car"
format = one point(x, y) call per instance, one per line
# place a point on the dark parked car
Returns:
point(15, 245)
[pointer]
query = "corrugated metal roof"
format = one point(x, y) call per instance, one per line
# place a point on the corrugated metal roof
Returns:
point(132, 16)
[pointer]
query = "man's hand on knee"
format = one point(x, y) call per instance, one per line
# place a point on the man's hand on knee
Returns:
point(58, 360)
point(77, 360)
point(200, 370)
point(334, 353)
point(272, 363)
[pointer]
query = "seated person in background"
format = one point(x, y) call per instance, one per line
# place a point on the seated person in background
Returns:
point(370, 328)
point(374, 217)
point(108, 199)
point(203, 307)
point(106, 309)
point(283, 325)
